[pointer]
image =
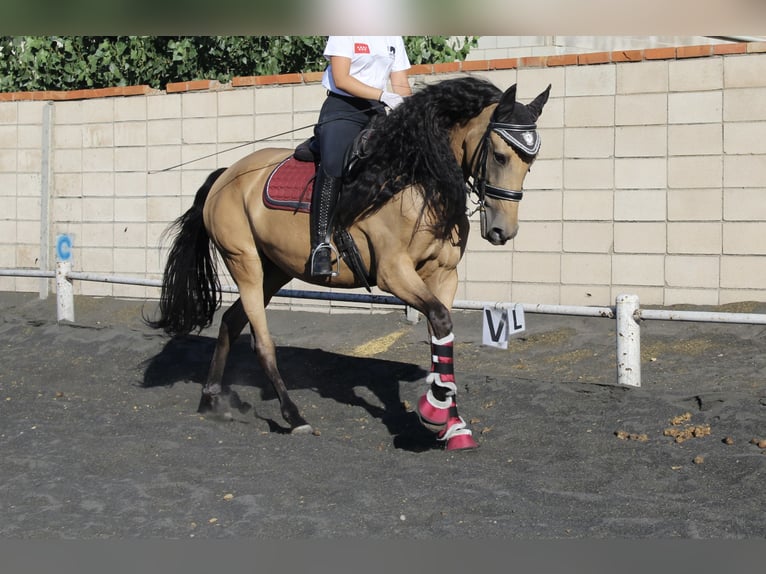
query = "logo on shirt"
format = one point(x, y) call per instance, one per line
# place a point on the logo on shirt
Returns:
point(361, 48)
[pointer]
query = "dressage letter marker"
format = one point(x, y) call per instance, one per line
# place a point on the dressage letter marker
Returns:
point(63, 247)
point(517, 324)
point(494, 331)
point(500, 324)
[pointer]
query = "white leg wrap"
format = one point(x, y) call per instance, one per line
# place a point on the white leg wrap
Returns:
point(435, 378)
point(456, 429)
point(448, 339)
point(434, 402)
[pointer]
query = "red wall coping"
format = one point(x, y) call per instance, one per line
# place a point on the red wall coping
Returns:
point(77, 94)
point(595, 58)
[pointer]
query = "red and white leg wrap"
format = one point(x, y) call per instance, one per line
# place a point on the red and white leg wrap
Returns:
point(433, 411)
point(442, 413)
point(457, 434)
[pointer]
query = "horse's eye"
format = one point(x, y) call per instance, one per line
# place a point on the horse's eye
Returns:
point(500, 158)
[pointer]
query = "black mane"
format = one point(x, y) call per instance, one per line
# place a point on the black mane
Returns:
point(411, 146)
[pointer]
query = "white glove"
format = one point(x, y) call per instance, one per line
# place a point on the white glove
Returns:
point(391, 99)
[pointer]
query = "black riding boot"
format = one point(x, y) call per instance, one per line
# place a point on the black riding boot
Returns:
point(324, 198)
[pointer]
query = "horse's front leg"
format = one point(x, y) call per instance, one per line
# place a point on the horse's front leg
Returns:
point(437, 407)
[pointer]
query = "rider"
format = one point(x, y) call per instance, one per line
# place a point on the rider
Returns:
point(357, 77)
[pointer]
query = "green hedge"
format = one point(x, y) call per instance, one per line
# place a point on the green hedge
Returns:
point(29, 63)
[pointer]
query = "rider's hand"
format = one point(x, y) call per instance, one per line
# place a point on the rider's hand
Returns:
point(391, 99)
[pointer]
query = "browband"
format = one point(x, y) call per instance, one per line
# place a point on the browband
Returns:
point(521, 136)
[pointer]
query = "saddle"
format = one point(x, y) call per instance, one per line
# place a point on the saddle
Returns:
point(290, 187)
point(308, 151)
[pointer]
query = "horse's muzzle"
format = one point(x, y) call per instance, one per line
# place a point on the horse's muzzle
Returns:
point(498, 236)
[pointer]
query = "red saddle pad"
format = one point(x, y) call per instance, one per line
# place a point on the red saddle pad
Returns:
point(290, 185)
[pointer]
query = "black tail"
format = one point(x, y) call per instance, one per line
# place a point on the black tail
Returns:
point(191, 290)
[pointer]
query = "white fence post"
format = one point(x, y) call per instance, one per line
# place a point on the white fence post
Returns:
point(628, 341)
point(64, 291)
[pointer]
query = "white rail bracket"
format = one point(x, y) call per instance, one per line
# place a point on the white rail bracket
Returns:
point(64, 291)
point(628, 341)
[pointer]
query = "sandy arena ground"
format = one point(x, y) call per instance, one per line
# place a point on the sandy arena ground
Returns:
point(100, 435)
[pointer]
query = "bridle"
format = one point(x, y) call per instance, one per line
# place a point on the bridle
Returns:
point(521, 137)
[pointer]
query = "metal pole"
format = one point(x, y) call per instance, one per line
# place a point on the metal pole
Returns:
point(81, 276)
point(540, 308)
point(582, 311)
point(26, 273)
point(337, 296)
point(628, 341)
point(703, 316)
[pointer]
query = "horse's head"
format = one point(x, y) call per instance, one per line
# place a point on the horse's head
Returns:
point(503, 158)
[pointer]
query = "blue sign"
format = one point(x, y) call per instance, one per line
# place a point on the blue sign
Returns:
point(64, 248)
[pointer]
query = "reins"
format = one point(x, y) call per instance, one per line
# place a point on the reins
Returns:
point(272, 136)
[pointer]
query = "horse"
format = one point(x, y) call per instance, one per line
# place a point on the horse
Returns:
point(405, 207)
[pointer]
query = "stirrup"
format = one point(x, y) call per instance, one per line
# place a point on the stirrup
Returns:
point(334, 271)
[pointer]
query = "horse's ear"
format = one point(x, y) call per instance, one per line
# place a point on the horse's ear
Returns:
point(507, 101)
point(536, 106)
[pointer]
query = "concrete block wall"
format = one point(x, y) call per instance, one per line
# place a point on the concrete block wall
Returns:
point(497, 47)
point(651, 178)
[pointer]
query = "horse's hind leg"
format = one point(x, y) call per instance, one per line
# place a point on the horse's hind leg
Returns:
point(233, 321)
point(252, 284)
point(266, 351)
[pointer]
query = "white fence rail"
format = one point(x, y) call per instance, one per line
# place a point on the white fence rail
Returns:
point(626, 312)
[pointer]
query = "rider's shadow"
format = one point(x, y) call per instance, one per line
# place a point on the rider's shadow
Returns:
point(342, 378)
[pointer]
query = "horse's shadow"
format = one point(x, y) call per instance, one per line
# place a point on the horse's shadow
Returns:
point(335, 376)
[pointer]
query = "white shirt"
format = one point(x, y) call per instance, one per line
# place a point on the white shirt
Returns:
point(373, 58)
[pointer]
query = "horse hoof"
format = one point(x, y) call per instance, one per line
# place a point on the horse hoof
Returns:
point(457, 435)
point(462, 442)
point(432, 416)
point(302, 429)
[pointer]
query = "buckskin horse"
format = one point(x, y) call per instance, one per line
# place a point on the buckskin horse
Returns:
point(404, 210)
